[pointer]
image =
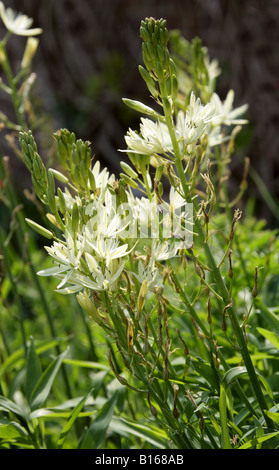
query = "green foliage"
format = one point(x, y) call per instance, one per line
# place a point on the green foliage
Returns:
point(188, 363)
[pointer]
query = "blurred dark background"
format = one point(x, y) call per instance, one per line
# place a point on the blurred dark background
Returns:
point(88, 60)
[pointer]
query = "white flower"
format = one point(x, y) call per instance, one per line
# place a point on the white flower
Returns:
point(144, 217)
point(105, 277)
point(213, 70)
point(161, 251)
point(192, 124)
point(102, 179)
point(153, 138)
point(225, 114)
point(106, 220)
point(108, 249)
point(216, 136)
point(17, 23)
point(67, 258)
point(149, 273)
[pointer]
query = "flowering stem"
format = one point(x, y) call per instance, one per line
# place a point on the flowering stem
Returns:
point(15, 291)
point(8, 71)
point(21, 222)
point(211, 261)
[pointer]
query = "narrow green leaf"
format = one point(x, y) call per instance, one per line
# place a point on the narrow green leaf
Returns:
point(236, 372)
point(73, 416)
point(272, 337)
point(12, 430)
point(17, 357)
point(124, 427)
point(273, 416)
point(233, 373)
point(54, 414)
point(259, 440)
point(223, 415)
point(205, 370)
point(33, 369)
point(271, 318)
point(44, 384)
point(86, 364)
point(96, 433)
point(9, 405)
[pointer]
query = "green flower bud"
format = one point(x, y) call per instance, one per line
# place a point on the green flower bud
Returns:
point(39, 229)
point(50, 179)
point(168, 85)
point(30, 51)
point(146, 56)
point(40, 191)
point(75, 175)
point(144, 33)
point(130, 172)
point(160, 53)
point(160, 72)
point(150, 22)
point(92, 181)
point(36, 167)
point(65, 140)
point(61, 201)
point(83, 173)
point(149, 81)
point(150, 49)
point(174, 87)
point(160, 188)
point(51, 200)
point(59, 176)
point(159, 172)
point(129, 181)
point(75, 217)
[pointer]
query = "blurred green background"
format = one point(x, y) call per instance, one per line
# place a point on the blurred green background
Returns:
point(88, 60)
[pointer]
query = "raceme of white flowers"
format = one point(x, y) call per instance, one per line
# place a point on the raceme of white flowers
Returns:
point(190, 126)
point(95, 256)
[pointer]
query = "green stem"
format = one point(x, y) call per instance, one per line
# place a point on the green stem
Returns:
point(8, 71)
point(21, 222)
point(16, 294)
point(153, 386)
point(216, 272)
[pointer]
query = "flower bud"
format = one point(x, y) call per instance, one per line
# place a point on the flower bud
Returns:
point(30, 51)
point(62, 201)
point(59, 176)
point(130, 172)
point(75, 217)
point(92, 181)
point(130, 333)
point(129, 181)
point(89, 306)
point(142, 295)
point(174, 87)
point(39, 229)
point(144, 33)
point(149, 81)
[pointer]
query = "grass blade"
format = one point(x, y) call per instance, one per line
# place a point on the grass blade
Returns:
point(44, 384)
point(73, 416)
point(33, 369)
point(223, 415)
point(97, 431)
